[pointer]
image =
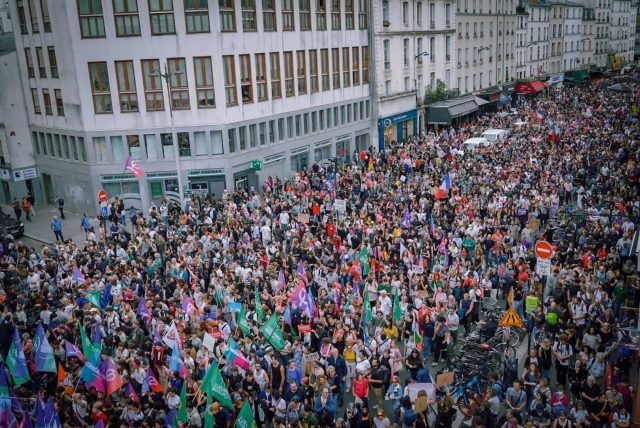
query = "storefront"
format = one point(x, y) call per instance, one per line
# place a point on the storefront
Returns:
point(18, 183)
point(556, 80)
point(343, 149)
point(163, 185)
point(299, 159)
point(207, 181)
point(125, 186)
point(578, 75)
point(448, 111)
point(508, 91)
point(397, 128)
point(530, 88)
point(491, 96)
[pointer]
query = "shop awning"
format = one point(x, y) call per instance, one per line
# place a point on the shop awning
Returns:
point(504, 99)
point(529, 87)
point(546, 84)
point(443, 112)
point(481, 102)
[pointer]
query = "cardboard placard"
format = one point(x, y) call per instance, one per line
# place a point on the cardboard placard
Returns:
point(314, 356)
point(534, 224)
point(303, 218)
point(445, 379)
point(208, 341)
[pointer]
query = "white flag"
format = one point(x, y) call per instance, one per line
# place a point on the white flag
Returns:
point(171, 338)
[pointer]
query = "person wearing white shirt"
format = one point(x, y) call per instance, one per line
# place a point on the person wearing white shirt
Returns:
point(386, 302)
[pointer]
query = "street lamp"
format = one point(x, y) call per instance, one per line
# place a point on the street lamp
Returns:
point(415, 81)
point(166, 76)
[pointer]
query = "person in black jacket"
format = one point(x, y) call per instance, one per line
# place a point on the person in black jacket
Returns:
point(336, 360)
point(445, 417)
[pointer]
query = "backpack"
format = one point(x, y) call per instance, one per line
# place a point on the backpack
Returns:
point(552, 318)
point(387, 374)
point(500, 390)
point(409, 417)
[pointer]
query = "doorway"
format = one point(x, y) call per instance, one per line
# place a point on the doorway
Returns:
point(48, 188)
point(7, 192)
point(30, 189)
point(242, 183)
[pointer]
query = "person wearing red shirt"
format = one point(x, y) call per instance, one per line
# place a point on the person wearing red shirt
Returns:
point(97, 415)
point(331, 229)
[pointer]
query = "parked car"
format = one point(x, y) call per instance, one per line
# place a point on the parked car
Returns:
point(494, 135)
point(14, 227)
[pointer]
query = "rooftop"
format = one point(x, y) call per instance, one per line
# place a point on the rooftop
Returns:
point(7, 44)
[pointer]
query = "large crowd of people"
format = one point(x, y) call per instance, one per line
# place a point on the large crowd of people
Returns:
point(319, 300)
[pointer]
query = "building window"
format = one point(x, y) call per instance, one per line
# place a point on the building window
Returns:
point(405, 14)
point(447, 45)
point(335, 54)
point(321, 120)
point(126, 16)
point(47, 102)
point(50, 144)
point(355, 58)
point(30, 70)
point(281, 135)
point(126, 86)
point(242, 137)
point(348, 14)
point(302, 72)
point(363, 19)
point(99, 77)
point(321, 15)
point(134, 146)
point(290, 127)
point(269, 15)
point(59, 103)
point(117, 148)
point(246, 84)
point(328, 118)
point(230, 80)
point(204, 82)
point(53, 63)
point(91, 19)
point(161, 15)
point(313, 70)
point(178, 84)
point(184, 146)
point(196, 13)
point(263, 133)
point(272, 131)
point(305, 15)
point(35, 27)
point(287, 15)
point(227, 15)
point(432, 49)
point(252, 136)
point(100, 147)
point(346, 68)
point(151, 146)
point(152, 85)
point(65, 145)
point(314, 126)
point(274, 62)
point(300, 161)
point(335, 15)
point(365, 64)
point(248, 15)
point(405, 51)
point(386, 46)
point(419, 14)
point(298, 126)
point(166, 140)
point(288, 74)
point(324, 62)
point(21, 18)
point(261, 77)
point(385, 12)
point(406, 84)
point(83, 151)
point(418, 54)
point(42, 68)
point(217, 145)
point(432, 15)
point(46, 20)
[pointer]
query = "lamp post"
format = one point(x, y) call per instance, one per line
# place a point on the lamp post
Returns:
point(415, 81)
point(486, 48)
point(166, 76)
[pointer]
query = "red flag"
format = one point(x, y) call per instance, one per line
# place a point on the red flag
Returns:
point(609, 372)
point(153, 382)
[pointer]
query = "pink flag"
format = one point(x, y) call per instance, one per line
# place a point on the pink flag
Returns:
point(281, 281)
point(188, 305)
point(111, 376)
point(133, 166)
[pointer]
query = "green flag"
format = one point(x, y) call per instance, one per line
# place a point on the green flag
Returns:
point(363, 259)
point(216, 387)
point(397, 312)
point(12, 359)
point(259, 310)
point(206, 381)
point(367, 306)
point(183, 416)
point(243, 322)
point(208, 414)
point(271, 330)
point(245, 417)
point(94, 298)
point(88, 349)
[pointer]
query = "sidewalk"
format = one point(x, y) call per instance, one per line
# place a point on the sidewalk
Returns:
point(39, 228)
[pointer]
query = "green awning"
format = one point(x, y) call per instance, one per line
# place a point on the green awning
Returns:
point(443, 112)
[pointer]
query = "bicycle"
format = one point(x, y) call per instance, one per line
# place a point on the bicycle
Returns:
point(464, 395)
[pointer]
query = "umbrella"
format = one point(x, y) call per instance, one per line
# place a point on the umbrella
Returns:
point(620, 87)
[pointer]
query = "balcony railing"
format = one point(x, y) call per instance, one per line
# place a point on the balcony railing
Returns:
point(433, 97)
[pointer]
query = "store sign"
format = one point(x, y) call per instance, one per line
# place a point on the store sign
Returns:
point(556, 78)
point(119, 177)
point(494, 97)
point(388, 121)
point(6, 174)
point(162, 174)
point(24, 174)
point(203, 172)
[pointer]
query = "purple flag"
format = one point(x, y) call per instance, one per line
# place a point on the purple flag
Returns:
point(10, 418)
point(133, 167)
point(301, 299)
point(406, 219)
point(281, 281)
point(77, 277)
point(100, 424)
point(188, 306)
point(301, 273)
point(73, 351)
point(16, 407)
point(156, 336)
point(356, 289)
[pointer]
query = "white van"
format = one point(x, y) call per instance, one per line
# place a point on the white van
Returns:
point(494, 135)
point(473, 143)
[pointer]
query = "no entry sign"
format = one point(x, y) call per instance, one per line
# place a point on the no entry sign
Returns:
point(544, 250)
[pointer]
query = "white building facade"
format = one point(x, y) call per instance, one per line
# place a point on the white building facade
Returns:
point(588, 41)
point(414, 49)
point(572, 36)
point(522, 20)
point(622, 29)
point(537, 42)
point(253, 89)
